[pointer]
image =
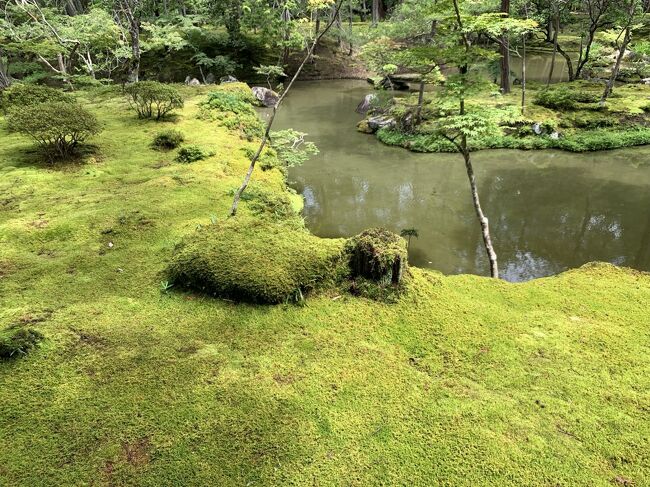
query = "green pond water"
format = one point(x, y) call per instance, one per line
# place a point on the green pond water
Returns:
point(548, 210)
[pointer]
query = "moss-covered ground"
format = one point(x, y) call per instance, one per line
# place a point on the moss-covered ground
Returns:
point(464, 381)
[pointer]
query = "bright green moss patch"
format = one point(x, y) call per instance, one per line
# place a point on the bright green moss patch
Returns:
point(254, 261)
point(462, 381)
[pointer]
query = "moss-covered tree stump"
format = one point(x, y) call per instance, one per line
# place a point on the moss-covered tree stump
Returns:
point(378, 255)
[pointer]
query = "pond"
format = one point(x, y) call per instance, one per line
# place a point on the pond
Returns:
point(549, 210)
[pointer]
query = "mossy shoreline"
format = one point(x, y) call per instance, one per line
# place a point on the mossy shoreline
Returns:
point(565, 116)
point(462, 380)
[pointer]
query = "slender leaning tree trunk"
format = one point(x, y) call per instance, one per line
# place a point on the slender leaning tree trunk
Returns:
point(276, 107)
point(485, 225)
point(617, 67)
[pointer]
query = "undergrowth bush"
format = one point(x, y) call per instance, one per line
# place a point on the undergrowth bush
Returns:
point(24, 95)
point(18, 341)
point(191, 153)
point(152, 99)
point(232, 106)
point(258, 261)
point(58, 127)
point(167, 140)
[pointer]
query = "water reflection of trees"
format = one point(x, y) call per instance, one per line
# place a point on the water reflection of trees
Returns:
point(544, 220)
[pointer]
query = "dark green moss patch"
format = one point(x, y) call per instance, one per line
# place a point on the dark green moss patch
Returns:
point(17, 341)
point(260, 262)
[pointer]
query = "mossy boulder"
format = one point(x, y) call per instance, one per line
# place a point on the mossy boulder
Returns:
point(378, 255)
point(16, 341)
point(255, 261)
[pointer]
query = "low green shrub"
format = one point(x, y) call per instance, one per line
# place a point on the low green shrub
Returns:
point(566, 98)
point(258, 261)
point(18, 341)
point(167, 140)
point(58, 127)
point(152, 99)
point(191, 153)
point(232, 106)
point(597, 140)
point(24, 95)
point(587, 120)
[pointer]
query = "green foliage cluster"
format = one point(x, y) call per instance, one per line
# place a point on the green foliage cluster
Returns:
point(152, 99)
point(191, 153)
point(58, 127)
point(23, 95)
point(231, 104)
point(565, 98)
point(168, 140)
point(16, 341)
point(259, 261)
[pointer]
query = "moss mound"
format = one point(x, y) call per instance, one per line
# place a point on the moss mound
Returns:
point(378, 255)
point(261, 262)
point(18, 341)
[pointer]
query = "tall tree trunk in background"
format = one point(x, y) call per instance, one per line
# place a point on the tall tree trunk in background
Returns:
point(339, 29)
point(5, 79)
point(350, 30)
point(556, 31)
point(364, 10)
point(134, 67)
point(523, 78)
point(128, 10)
point(418, 114)
point(505, 52)
point(375, 13)
point(597, 9)
point(286, 18)
point(627, 38)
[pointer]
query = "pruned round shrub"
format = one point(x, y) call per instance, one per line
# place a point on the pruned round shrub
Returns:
point(152, 99)
point(258, 261)
point(378, 255)
point(191, 153)
point(58, 127)
point(167, 140)
point(24, 95)
point(18, 341)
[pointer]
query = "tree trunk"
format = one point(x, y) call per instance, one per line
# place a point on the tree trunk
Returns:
point(418, 115)
point(5, 79)
point(351, 32)
point(505, 53)
point(555, 34)
point(617, 67)
point(375, 13)
point(523, 78)
point(485, 226)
